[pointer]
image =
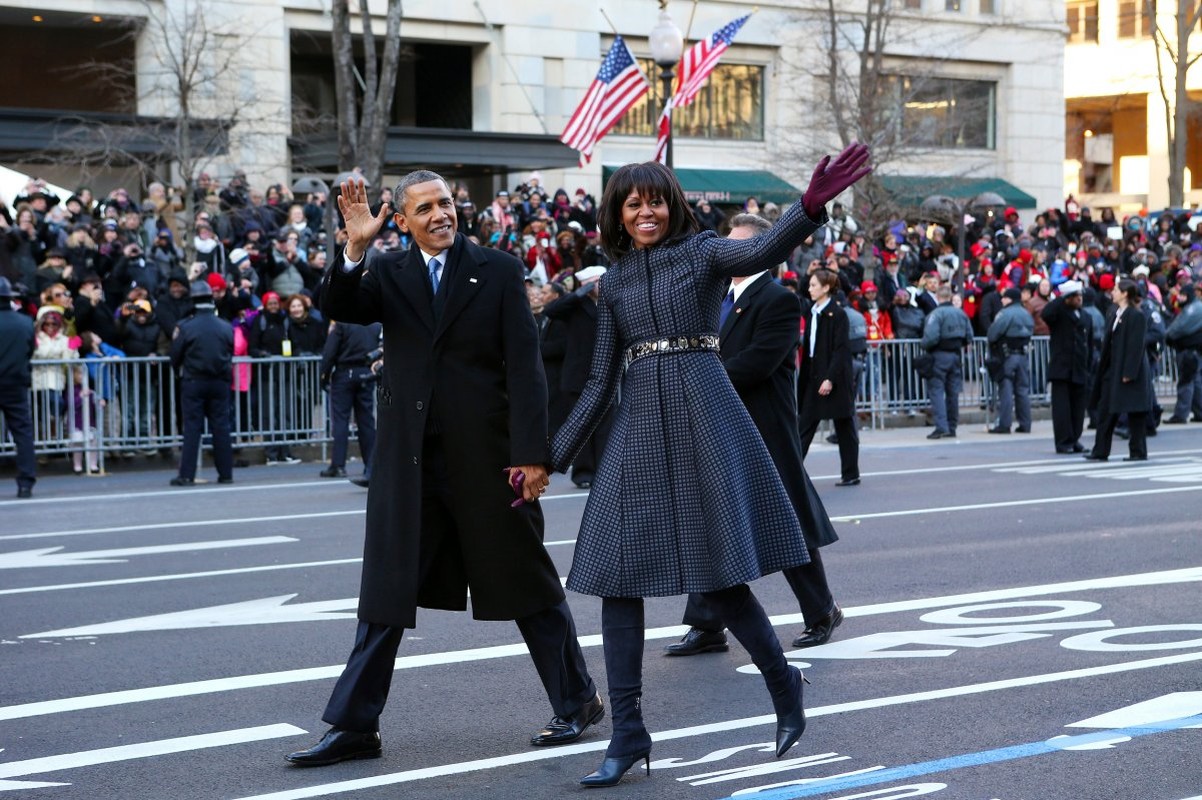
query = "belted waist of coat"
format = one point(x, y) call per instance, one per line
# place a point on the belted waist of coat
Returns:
point(679, 343)
point(1016, 344)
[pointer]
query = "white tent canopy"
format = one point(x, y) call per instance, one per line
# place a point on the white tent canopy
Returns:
point(12, 183)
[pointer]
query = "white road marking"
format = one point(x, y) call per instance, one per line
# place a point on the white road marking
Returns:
point(409, 776)
point(126, 497)
point(179, 576)
point(1160, 709)
point(265, 611)
point(106, 699)
point(13, 786)
point(89, 758)
point(200, 523)
point(52, 557)
point(1184, 469)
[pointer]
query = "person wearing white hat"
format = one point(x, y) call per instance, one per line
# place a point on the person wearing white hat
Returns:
point(1070, 354)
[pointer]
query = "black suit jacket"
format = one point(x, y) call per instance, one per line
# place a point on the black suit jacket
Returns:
point(476, 371)
point(832, 360)
point(759, 350)
point(578, 314)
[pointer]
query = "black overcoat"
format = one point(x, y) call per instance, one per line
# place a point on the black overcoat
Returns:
point(759, 351)
point(831, 361)
point(578, 313)
point(1070, 339)
point(1123, 356)
point(477, 371)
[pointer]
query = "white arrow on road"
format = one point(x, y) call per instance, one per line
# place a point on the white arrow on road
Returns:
point(267, 611)
point(51, 557)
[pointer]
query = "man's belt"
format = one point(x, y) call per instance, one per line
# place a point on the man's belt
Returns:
point(688, 343)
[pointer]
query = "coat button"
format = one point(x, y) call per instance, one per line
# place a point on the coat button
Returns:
point(420, 405)
point(415, 460)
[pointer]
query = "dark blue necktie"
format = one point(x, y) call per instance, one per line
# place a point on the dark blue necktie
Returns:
point(434, 265)
point(728, 303)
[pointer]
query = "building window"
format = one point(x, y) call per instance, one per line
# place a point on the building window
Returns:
point(1135, 19)
point(951, 5)
point(986, 7)
point(1082, 19)
point(729, 106)
point(914, 4)
point(944, 113)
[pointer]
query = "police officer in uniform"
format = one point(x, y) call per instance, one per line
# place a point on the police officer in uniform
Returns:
point(202, 350)
point(945, 334)
point(1010, 333)
point(16, 348)
point(346, 370)
point(1070, 356)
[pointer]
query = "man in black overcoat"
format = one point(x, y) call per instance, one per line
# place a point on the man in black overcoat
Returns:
point(578, 312)
point(1069, 344)
point(461, 407)
point(758, 339)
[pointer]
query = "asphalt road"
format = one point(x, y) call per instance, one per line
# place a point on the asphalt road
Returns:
point(1020, 626)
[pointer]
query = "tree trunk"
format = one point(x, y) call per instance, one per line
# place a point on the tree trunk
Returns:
point(344, 84)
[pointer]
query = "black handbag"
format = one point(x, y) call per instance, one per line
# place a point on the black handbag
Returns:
point(924, 365)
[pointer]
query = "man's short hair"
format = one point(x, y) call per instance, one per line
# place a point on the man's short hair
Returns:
point(944, 293)
point(413, 179)
point(750, 221)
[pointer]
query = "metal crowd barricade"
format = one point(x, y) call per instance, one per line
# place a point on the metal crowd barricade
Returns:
point(274, 400)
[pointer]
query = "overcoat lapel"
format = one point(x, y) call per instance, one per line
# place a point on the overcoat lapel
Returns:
point(465, 279)
point(411, 280)
point(745, 299)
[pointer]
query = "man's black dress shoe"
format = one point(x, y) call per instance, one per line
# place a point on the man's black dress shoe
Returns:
point(998, 429)
point(182, 481)
point(583, 484)
point(1078, 448)
point(1065, 451)
point(820, 632)
point(699, 641)
point(849, 482)
point(1174, 421)
point(338, 745)
point(561, 730)
point(936, 434)
point(361, 482)
point(1136, 458)
point(1022, 430)
point(333, 472)
point(226, 479)
point(24, 492)
point(1092, 457)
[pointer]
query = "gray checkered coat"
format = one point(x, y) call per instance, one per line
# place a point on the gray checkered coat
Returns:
point(686, 498)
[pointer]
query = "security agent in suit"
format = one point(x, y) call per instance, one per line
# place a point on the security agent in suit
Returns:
point(16, 349)
point(578, 312)
point(945, 334)
point(758, 337)
point(1070, 354)
point(462, 402)
point(202, 350)
point(1010, 333)
point(346, 369)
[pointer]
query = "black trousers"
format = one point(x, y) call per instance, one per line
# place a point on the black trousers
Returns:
point(1068, 413)
point(1138, 443)
point(206, 399)
point(807, 581)
point(14, 403)
point(351, 390)
point(849, 443)
point(362, 690)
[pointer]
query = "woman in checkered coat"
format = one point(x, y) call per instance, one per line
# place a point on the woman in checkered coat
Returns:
point(686, 498)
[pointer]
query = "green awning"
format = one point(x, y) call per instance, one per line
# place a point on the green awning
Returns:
point(729, 186)
point(911, 190)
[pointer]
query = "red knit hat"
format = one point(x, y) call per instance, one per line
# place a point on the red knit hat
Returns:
point(1105, 281)
point(215, 281)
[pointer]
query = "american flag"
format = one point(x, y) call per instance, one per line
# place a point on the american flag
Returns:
point(700, 60)
point(663, 130)
point(618, 86)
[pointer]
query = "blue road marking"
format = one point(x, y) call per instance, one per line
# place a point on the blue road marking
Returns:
point(970, 760)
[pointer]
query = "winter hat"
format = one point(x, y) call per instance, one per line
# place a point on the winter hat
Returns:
point(238, 255)
point(1106, 282)
point(201, 290)
point(143, 305)
point(269, 296)
point(867, 286)
point(1069, 288)
point(216, 282)
point(1012, 294)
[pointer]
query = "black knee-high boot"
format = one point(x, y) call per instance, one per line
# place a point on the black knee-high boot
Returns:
point(745, 618)
point(622, 634)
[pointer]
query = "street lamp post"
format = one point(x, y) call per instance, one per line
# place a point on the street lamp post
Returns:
point(667, 45)
point(942, 208)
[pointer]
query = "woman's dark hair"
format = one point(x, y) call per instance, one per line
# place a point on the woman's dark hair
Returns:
point(827, 278)
point(1131, 289)
point(649, 179)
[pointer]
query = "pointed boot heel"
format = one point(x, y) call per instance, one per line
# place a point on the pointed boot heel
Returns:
point(791, 725)
point(612, 769)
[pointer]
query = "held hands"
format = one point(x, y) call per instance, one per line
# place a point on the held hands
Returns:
point(825, 388)
point(361, 225)
point(831, 179)
point(528, 483)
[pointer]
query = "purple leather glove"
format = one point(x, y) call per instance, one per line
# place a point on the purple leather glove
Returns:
point(516, 479)
point(831, 179)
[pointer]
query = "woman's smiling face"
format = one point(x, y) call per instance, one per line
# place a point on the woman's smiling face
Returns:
point(645, 219)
